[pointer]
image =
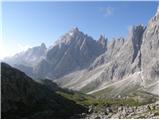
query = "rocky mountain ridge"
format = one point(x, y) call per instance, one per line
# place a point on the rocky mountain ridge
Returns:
point(29, 57)
point(122, 65)
point(74, 51)
point(125, 61)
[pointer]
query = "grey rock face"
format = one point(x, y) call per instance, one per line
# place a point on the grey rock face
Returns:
point(150, 53)
point(112, 49)
point(125, 64)
point(73, 51)
point(138, 53)
point(103, 41)
point(135, 34)
point(122, 57)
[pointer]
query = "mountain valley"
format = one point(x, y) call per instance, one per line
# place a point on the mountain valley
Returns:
point(79, 77)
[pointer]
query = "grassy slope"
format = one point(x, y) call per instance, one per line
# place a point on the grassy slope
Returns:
point(86, 100)
point(22, 97)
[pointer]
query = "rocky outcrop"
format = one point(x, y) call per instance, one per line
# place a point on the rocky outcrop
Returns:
point(135, 35)
point(103, 41)
point(149, 111)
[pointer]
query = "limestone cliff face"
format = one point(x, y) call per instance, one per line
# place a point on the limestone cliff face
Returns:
point(150, 54)
point(103, 41)
point(139, 53)
point(121, 58)
point(132, 62)
point(73, 51)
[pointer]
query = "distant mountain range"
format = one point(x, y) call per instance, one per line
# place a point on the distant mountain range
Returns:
point(108, 69)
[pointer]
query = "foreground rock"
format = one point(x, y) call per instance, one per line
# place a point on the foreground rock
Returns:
point(149, 111)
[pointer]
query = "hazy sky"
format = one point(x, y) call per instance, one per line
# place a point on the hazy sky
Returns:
point(27, 24)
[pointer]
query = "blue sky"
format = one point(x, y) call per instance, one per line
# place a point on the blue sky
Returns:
point(27, 24)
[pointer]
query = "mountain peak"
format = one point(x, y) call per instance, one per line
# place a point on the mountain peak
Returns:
point(154, 22)
point(156, 17)
point(136, 31)
point(102, 40)
point(72, 35)
point(74, 31)
point(102, 37)
point(43, 45)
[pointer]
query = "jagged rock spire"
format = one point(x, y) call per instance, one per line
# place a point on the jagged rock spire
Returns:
point(43, 45)
point(135, 36)
point(103, 40)
point(74, 30)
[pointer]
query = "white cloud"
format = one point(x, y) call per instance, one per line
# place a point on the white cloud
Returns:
point(107, 11)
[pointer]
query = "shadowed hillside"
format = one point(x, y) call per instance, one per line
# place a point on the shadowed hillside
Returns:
point(24, 98)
